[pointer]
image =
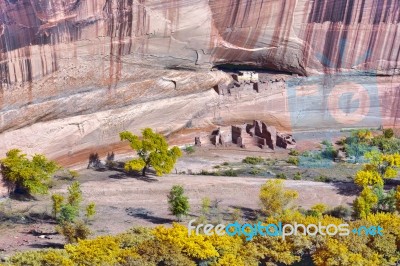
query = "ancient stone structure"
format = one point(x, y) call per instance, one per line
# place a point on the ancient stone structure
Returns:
point(285, 141)
point(265, 135)
point(246, 77)
point(260, 134)
point(237, 132)
point(197, 141)
point(218, 137)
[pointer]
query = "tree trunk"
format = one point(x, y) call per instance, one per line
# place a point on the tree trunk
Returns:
point(144, 171)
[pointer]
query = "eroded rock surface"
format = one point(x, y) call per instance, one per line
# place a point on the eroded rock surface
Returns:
point(70, 69)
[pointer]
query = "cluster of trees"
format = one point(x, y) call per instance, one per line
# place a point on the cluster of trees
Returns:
point(27, 177)
point(67, 212)
point(371, 178)
point(363, 141)
point(172, 245)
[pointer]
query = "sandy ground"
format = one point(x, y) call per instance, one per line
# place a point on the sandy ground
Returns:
point(125, 201)
point(116, 196)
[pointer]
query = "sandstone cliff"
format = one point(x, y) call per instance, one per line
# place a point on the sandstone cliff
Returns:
point(75, 72)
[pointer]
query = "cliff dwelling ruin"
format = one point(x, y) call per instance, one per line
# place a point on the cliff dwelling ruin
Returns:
point(257, 134)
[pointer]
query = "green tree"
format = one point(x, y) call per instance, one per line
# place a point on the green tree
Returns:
point(74, 194)
point(153, 151)
point(69, 224)
point(386, 199)
point(58, 201)
point(178, 202)
point(68, 213)
point(24, 176)
point(90, 210)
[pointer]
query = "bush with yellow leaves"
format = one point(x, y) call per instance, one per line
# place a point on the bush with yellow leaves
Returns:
point(275, 198)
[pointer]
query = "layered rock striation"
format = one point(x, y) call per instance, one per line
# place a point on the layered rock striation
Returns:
point(66, 64)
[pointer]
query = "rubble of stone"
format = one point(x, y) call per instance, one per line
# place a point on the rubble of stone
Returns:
point(257, 134)
point(250, 81)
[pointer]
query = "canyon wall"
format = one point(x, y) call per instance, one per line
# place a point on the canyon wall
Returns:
point(73, 73)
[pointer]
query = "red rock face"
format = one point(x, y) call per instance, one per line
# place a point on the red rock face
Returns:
point(294, 36)
point(368, 29)
point(62, 59)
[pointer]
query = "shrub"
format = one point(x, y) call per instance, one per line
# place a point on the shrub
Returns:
point(297, 176)
point(225, 164)
point(90, 210)
point(230, 172)
point(178, 202)
point(293, 160)
point(387, 145)
point(313, 213)
point(322, 178)
point(275, 198)
point(358, 144)
point(388, 133)
point(39, 258)
point(293, 152)
point(281, 176)
point(255, 171)
point(73, 231)
point(329, 152)
point(73, 174)
point(189, 149)
point(386, 199)
point(103, 250)
point(205, 172)
point(205, 205)
point(326, 143)
point(397, 196)
point(319, 208)
point(253, 160)
point(365, 202)
point(340, 211)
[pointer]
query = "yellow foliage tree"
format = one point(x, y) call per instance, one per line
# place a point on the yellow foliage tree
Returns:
point(152, 151)
point(398, 198)
point(365, 202)
point(380, 167)
point(195, 246)
point(103, 250)
point(275, 198)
